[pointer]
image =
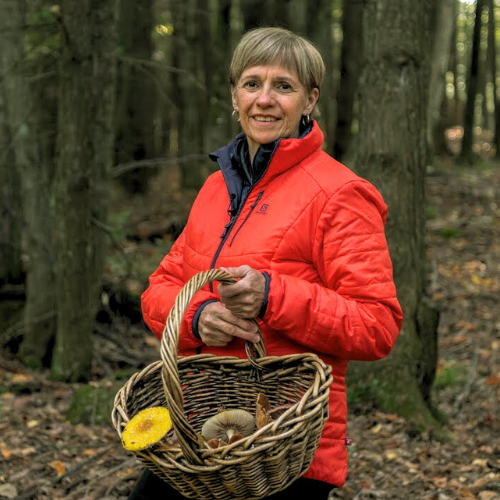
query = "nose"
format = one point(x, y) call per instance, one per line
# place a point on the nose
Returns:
point(266, 97)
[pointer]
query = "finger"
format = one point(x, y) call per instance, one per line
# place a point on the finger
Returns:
point(237, 272)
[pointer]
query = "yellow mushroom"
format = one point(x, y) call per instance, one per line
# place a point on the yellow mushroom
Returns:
point(146, 428)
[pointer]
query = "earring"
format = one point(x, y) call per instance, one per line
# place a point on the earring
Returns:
point(235, 113)
point(306, 119)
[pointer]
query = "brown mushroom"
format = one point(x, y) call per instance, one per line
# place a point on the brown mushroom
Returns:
point(228, 423)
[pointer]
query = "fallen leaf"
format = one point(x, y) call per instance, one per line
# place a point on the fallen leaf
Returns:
point(32, 423)
point(8, 491)
point(493, 380)
point(58, 466)
point(20, 378)
point(377, 428)
point(6, 453)
point(488, 495)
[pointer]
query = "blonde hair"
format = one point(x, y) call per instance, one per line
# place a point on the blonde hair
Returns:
point(266, 46)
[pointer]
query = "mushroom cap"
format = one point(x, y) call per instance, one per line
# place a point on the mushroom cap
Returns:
point(146, 428)
point(227, 423)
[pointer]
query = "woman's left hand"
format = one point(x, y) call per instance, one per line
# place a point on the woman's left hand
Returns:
point(244, 298)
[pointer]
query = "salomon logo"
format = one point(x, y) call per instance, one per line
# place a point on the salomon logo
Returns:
point(263, 209)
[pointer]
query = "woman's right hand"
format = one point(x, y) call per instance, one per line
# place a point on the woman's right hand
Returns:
point(218, 326)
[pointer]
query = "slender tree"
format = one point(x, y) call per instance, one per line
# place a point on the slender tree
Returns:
point(318, 28)
point(350, 66)
point(191, 45)
point(85, 145)
point(467, 153)
point(10, 192)
point(35, 171)
point(492, 46)
point(137, 98)
point(392, 153)
point(442, 25)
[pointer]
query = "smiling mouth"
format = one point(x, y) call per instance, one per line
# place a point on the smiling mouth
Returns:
point(265, 118)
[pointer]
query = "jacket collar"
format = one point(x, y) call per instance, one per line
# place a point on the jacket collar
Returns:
point(280, 156)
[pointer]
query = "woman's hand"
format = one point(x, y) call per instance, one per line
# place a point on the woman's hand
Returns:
point(244, 298)
point(217, 326)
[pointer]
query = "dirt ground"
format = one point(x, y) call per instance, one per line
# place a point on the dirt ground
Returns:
point(43, 456)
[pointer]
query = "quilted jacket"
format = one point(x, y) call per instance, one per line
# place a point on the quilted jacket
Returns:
point(317, 230)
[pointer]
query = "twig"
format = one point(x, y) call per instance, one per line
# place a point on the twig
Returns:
point(33, 491)
point(468, 384)
point(79, 491)
point(122, 168)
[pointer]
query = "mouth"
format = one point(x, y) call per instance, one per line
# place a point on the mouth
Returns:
point(261, 118)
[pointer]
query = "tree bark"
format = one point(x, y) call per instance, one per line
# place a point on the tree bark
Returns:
point(190, 85)
point(493, 68)
point(392, 153)
point(10, 191)
point(85, 146)
point(319, 30)
point(137, 98)
point(444, 19)
point(349, 75)
point(35, 169)
point(467, 154)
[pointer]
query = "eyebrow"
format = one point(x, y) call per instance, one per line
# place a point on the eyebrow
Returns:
point(279, 77)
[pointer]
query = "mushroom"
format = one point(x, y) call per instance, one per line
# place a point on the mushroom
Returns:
point(227, 424)
point(146, 428)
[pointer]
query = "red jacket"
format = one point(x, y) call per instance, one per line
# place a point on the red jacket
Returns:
point(317, 229)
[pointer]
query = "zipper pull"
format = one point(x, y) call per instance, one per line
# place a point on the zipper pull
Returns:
point(226, 229)
point(254, 204)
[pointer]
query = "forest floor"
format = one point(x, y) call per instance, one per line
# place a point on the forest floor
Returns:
point(44, 456)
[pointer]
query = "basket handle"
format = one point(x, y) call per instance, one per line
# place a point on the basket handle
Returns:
point(188, 439)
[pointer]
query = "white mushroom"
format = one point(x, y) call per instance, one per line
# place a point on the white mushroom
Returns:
point(228, 423)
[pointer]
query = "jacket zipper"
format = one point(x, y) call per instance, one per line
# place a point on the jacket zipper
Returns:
point(229, 226)
point(252, 207)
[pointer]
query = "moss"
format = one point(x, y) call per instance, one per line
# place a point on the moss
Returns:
point(92, 405)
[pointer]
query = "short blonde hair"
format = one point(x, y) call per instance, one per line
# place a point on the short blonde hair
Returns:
point(266, 46)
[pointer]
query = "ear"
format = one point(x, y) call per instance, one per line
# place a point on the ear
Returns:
point(233, 98)
point(312, 99)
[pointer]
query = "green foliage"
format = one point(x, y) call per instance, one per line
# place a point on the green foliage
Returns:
point(449, 375)
point(92, 405)
point(430, 213)
point(449, 232)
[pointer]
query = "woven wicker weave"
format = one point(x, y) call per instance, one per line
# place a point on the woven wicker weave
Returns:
point(195, 388)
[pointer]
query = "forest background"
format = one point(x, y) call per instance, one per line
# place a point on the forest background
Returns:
point(107, 112)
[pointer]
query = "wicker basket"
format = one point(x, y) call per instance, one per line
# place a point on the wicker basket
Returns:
point(194, 388)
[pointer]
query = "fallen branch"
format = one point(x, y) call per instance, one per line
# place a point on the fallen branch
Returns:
point(34, 491)
point(468, 384)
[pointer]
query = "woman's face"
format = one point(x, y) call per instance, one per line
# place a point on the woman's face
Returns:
point(270, 101)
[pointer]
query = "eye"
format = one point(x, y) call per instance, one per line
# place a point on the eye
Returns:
point(284, 86)
point(250, 84)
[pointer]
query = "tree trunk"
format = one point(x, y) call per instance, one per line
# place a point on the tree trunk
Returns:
point(136, 93)
point(467, 154)
point(349, 75)
point(392, 155)
point(190, 86)
point(319, 30)
point(493, 68)
point(23, 111)
point(443, 24)
point(85, 146)
point(10, 190)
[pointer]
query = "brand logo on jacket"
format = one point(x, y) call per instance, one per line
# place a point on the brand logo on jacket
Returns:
point(263, 209)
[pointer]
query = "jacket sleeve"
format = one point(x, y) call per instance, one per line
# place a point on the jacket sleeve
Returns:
point(164, 286)
point(355, 315)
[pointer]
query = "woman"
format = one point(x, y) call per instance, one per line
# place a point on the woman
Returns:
point(304, 235)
